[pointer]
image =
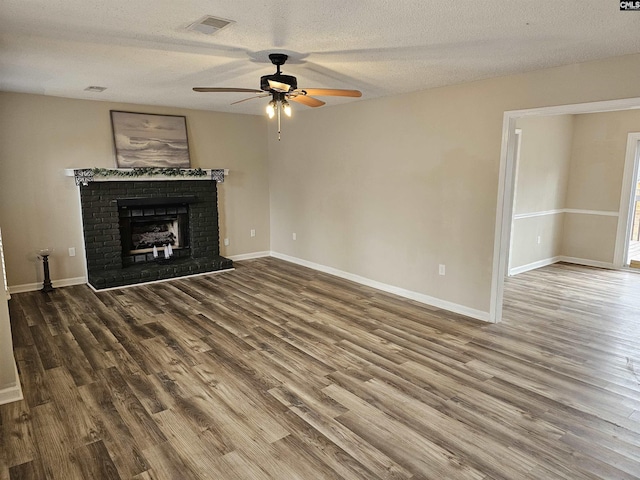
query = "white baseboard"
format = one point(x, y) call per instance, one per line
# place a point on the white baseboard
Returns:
point(560, 258)
point(13, 392)
point(248, 256)
point(66, 282)
point(32, 287)
point(418, 297)
point(534, 265)
point(586, 262)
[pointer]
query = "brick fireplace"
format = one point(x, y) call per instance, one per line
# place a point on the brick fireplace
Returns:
point(124, 220)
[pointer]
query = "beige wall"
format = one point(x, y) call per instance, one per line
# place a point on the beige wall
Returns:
point(541, 186)
point(526, 250)
point(543, 168)
point(39, 207)
point(590, 237)
point(595, 183)
point(597, 159)
point(389, 188)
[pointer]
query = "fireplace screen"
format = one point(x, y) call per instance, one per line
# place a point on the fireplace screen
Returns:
point(147, 229)
point(158, 232)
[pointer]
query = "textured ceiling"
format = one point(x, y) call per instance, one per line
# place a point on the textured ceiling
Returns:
point(142, 52)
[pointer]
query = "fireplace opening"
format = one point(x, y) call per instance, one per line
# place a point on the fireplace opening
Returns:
point(158, 232)
point(154, 228)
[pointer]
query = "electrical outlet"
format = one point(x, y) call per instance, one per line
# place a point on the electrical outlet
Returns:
point(253, 232)
point(226, 242)
point(294, 236)
point(441, 269)
point(72, 251)
point(539, 239)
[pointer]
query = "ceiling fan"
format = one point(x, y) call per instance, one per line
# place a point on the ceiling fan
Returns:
point(282, 89)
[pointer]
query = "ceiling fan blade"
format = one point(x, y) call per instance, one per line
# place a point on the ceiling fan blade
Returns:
point(251, 98)
point(332, 92)
point(306, 100)
point(279, 86)
point(225, 89)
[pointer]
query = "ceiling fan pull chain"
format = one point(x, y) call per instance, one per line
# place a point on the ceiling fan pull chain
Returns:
point(278, 107)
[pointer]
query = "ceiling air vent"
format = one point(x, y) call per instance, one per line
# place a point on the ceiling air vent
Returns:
point(209, 25)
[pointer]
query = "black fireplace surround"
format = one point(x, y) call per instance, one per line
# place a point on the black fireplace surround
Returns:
point(109, 209)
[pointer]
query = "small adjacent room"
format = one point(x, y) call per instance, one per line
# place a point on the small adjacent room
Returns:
point(574, 180)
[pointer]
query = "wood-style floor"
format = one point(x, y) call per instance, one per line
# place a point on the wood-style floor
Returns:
point(274, 371)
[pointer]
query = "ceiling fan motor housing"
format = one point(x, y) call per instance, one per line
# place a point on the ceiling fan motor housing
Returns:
point(288, 79)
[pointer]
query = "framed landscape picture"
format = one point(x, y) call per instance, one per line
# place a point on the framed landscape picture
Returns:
point(150, 140)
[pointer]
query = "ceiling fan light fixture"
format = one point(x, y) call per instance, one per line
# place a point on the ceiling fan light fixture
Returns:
point(286, 108)
point(271, 108)
point(283, 88)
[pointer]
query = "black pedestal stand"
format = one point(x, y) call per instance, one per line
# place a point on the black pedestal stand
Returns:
point(46, 287)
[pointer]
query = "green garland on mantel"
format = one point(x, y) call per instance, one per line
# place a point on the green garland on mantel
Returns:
point(149, 172)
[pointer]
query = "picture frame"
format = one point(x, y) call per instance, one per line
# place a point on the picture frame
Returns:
point(144, 140)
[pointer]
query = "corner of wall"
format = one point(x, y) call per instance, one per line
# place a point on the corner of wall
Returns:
point(13, 391)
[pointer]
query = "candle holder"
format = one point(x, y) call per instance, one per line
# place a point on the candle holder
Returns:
point(44, 255)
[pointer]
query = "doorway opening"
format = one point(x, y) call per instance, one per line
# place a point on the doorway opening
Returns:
point(633, 252)
point(504, 214)
point(631, 197)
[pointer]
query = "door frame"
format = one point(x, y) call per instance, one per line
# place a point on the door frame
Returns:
point(506, 184)
point(627, 197)
point(516, 159)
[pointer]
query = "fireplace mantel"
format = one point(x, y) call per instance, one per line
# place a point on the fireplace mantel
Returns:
point(83, 176)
